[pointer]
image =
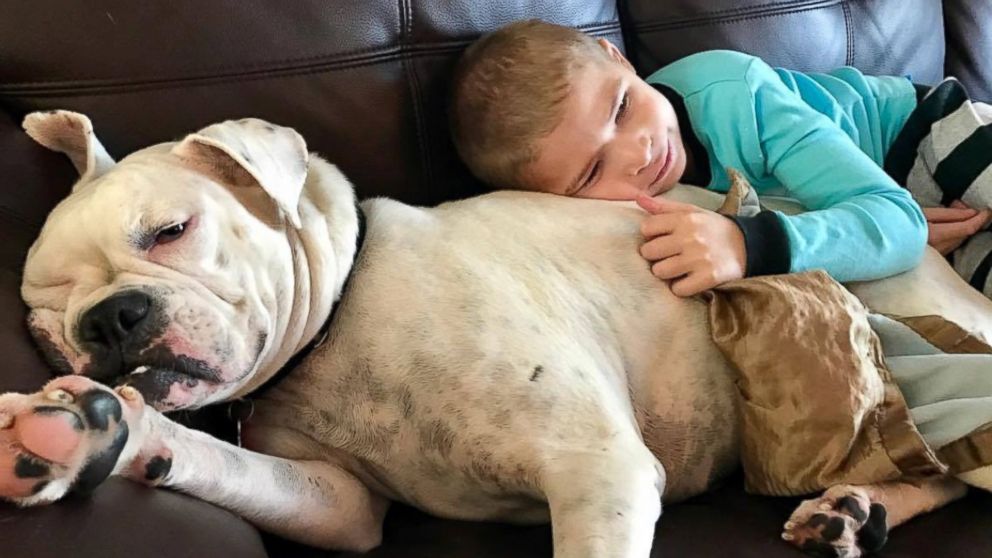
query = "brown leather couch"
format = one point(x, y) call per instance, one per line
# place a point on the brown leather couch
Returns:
point(364, 81)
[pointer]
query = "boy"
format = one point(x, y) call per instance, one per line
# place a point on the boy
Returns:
point(543, 107)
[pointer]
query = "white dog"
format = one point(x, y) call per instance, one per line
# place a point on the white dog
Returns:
point(508, 357)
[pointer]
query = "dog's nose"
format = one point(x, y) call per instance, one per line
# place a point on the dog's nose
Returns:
point(114, 319)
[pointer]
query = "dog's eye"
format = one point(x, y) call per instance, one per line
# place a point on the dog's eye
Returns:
point(170, 233)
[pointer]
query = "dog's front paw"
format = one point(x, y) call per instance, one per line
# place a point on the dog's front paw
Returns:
point(843, 523)
point(68, 437)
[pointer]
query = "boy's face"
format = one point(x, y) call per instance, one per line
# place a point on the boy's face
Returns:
point(618, 137)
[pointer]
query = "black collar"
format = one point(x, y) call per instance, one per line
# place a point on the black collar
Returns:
point(325, 329)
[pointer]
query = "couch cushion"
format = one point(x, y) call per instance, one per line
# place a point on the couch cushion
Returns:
point(969, 45)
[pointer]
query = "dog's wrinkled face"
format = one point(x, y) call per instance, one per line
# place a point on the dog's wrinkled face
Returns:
point(167, 270)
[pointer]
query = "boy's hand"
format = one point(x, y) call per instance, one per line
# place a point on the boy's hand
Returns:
point(949, 227)
point(698, 249)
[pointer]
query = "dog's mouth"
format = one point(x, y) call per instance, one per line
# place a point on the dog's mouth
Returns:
point(168, 381)
point(166, 388)
point(165, 379)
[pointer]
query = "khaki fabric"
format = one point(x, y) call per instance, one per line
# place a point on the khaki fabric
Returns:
point(819, 407)
point(969, 453)
point(945, 335)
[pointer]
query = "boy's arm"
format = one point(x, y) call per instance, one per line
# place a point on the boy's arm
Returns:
point(861, 226)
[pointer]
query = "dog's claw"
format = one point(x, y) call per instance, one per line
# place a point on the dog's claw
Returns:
point(129, 393)
point(788, 536)
point(60, 395)
point(789, 525)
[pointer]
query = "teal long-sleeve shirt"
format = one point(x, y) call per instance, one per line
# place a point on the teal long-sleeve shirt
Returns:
point(818, 138)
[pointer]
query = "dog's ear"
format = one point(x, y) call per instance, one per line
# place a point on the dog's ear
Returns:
point(252, 153)
point(70, 133)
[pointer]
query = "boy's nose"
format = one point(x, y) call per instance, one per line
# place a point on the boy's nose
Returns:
point(640, 155)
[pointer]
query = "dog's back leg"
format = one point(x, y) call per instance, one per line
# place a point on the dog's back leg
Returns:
point(605, 500)
point(853, 521)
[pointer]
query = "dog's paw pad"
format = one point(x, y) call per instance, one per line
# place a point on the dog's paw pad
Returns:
point(843, 523)
point(875, 532)
point(66, 437)
point(151, 467)
point(157, 468)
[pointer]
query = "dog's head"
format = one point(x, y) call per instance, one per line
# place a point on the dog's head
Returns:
point(182, 270)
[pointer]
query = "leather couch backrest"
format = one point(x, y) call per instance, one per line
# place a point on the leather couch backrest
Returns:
point(365, 81)
point(897, 37)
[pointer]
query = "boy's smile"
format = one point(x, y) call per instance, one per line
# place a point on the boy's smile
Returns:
point(618, 137)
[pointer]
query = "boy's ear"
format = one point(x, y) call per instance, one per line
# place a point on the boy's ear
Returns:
point(613, 52)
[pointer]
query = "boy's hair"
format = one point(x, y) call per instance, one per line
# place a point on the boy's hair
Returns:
point(507, 93)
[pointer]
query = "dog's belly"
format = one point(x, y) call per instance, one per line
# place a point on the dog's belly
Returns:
point(695, 434)
point(417, 432)
point(470, 442)
point(684, 396)
point(428, 438)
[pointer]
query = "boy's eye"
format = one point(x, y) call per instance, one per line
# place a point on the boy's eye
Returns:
point(622, 109)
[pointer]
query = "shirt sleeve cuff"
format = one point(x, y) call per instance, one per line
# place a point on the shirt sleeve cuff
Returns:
point(766, 244)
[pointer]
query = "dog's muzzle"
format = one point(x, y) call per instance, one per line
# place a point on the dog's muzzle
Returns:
point(120, 325)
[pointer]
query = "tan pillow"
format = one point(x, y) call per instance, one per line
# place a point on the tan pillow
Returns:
point(818, 406)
